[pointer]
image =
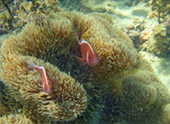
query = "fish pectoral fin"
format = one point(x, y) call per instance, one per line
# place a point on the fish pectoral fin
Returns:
point(81, 59)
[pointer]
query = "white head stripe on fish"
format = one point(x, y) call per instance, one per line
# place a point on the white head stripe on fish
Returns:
point(42, 68)
point(45, 74)
point(87, 57)
point(83, 41)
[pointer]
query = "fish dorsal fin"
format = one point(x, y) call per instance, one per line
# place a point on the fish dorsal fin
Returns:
point(79, 40)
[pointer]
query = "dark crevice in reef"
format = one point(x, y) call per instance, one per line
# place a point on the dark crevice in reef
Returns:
point(10, 104)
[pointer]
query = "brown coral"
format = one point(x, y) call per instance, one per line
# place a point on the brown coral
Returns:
point(15, 14)
point(158, 43)
point(15, 119)
point(160, 9)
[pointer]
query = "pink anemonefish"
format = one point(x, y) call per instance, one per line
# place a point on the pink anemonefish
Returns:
point(89, 56)
point(47, 85)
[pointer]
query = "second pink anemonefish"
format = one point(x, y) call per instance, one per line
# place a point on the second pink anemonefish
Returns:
point(88, 55)
point(46, 83)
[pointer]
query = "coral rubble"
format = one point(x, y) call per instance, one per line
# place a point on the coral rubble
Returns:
point(122, 87)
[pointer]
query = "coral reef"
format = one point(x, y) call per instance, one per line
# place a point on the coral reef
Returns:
point(139, 32)
point(69, 97)
point(15, 14)
point(15, 119)
point(160, 9)
point(121, 88)
point(150, 36)
point(159, 42)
